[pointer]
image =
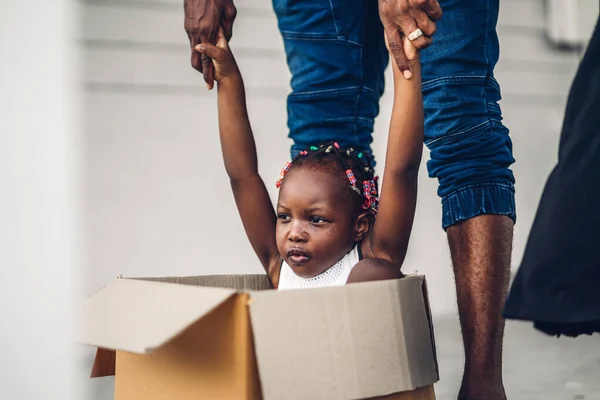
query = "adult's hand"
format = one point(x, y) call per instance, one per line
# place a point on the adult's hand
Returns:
point(403, 17)
point(203, 19)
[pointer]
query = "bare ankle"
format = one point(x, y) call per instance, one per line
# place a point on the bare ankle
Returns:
point(482, 391)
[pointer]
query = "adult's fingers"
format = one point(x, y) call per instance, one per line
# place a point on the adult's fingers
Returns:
point(426, 25)
point(424, 42)
point(408, 25)
point(433, 9)
point(195, 59)
point(228, 18)
point(396, 47)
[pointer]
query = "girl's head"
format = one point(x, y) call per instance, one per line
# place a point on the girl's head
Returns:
point(327, 203)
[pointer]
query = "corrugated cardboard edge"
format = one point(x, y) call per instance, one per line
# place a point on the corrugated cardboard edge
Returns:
point(240, 282)
point(431, 330)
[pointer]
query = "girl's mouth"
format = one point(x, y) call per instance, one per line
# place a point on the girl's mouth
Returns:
point(297, 256)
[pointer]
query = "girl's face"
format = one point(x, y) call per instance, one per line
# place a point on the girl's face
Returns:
point(316, 225)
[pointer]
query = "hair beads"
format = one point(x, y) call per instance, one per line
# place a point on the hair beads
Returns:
point(355, 165)
point(284, 171)
point(367, 189)
point(370, 194)
point(352, 180)
point(351, 177)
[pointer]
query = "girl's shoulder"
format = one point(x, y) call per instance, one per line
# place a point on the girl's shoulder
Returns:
point(374, 269)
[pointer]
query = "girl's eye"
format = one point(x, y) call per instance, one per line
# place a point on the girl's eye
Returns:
point(317, 220)
point(283, 217)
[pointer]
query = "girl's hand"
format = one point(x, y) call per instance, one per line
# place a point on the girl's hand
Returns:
point(411, 52)
point(220, 56)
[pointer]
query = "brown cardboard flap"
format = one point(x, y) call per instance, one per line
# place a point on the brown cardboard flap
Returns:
point(104, 363)
point(213, 359)
point(239, 282)
point(351, 342)
point(139, 316)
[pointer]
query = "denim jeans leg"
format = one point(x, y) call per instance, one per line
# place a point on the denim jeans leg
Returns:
point(337, 57)
point(471, 150)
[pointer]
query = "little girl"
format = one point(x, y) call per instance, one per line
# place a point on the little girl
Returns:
point(330, 226)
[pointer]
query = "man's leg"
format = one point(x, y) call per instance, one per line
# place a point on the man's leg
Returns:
point(481, 252)
point(470, 155)
point(337, 56)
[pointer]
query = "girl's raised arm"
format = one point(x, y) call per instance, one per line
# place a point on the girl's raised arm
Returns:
point(391, 231)
point(239, 155)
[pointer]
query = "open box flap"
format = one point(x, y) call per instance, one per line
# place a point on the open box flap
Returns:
point(355, 341)
point(139, 316)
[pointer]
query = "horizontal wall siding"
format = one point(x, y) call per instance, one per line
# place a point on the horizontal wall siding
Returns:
point(120, 52)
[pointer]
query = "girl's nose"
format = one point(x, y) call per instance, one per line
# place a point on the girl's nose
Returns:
point(297, 233)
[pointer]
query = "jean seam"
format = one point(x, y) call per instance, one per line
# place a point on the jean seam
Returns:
point(487, 34)
point(456, 78)
point(337, 30)
point(318, 37)
point(493, 82)
point(453, 218)
point(310, 34)
point(511, 214)
point(464, 131)
point(479, 185)
point(487, 62)
point(362, 83)
point(366, 88)
point(325, 92)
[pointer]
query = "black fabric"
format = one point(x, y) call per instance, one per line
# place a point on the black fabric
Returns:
point(558, 283)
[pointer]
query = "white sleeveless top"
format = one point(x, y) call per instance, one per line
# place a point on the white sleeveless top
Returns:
point(337, 275)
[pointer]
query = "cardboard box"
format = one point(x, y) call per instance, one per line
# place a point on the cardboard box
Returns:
point(231, 337)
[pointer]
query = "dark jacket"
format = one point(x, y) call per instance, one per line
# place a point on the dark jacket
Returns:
point(558, 283)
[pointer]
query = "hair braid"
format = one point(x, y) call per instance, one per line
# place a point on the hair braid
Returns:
point(364, 188)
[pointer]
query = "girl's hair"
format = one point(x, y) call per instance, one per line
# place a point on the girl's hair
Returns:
point(353, 168)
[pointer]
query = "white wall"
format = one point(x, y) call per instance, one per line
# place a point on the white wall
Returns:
point(38, 200)
point(157, 197)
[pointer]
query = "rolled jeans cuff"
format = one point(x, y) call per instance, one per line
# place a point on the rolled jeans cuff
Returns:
point(475, 200)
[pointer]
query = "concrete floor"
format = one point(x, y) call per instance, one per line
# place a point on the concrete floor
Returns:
point(536, 366)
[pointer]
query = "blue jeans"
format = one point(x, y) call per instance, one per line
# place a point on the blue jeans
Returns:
point(336, 53)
